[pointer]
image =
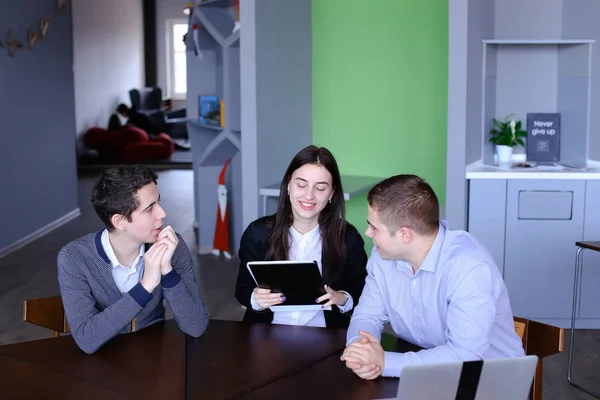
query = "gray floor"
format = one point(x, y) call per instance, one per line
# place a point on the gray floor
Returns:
point(30, 273)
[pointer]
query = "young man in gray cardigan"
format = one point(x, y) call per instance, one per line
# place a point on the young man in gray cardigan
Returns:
point(114, 281)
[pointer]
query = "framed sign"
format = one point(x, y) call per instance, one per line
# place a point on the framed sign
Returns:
point(543, 137)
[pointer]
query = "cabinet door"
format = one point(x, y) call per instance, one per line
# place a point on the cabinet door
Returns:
point(589, 294)
point(487, 215)
point(544, 219)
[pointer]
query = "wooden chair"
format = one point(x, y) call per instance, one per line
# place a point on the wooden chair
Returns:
point(47, 312)
point(541, 340)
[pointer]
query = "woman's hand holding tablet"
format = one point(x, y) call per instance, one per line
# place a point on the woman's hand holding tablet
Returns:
point(265, 299)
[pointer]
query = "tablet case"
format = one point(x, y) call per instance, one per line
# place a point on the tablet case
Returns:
point(299, 281)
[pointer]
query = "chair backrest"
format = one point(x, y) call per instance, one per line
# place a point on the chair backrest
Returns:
point(541, 340)
point(46, 312)
point(146, 99)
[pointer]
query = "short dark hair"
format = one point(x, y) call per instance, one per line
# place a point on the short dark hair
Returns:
point(122, 108)
point(115, 191)
point(406, 200)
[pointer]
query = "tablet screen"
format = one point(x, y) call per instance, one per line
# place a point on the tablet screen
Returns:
point(299, 281)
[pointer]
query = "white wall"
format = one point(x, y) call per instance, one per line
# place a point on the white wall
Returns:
point(580, 21)
point(108, 58)
point(165, 9)
point(530, 19)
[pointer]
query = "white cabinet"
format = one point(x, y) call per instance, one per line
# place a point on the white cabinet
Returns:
point(530, 227)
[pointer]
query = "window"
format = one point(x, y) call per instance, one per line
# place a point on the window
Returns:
point(176, 59)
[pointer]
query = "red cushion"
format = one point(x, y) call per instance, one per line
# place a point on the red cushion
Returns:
point(93, 137)
point(130, 144)
point(112, 144)
point(125, 136)
point(152, 150)
point(166, 139)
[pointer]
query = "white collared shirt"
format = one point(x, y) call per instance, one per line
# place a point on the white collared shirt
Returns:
point(125, 277)
point(455, 306)
point(305, 247)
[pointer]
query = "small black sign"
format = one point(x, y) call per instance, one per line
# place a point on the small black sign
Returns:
point(543, 137)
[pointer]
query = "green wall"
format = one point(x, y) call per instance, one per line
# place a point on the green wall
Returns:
point(380, 78)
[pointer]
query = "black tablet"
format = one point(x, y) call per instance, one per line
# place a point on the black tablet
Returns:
point(299, 281)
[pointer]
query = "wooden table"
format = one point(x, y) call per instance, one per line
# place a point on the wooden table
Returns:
point(23, 380)
point(147, 364)
point(231, 360)
point(331, 379)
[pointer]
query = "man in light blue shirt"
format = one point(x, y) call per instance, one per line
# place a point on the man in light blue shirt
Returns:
point(439, 289)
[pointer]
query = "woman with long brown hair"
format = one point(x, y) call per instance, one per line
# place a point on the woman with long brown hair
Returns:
point(310, 224)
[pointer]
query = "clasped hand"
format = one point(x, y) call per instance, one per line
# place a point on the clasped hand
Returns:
point(365, 357)
point(157, 260)
point(265, 299)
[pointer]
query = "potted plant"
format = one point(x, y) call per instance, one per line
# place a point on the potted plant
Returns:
point(505, 135)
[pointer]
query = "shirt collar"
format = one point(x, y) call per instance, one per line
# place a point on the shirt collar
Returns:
point(433, 255)
point(309, 236)
point(110, 253)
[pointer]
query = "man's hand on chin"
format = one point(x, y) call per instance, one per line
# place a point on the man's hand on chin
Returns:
point(169, 238)
point(365, 357)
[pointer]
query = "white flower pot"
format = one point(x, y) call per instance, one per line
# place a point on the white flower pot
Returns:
point(504, 154)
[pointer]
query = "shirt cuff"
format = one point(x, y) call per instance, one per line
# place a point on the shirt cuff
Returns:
point(393, 363)
point(140, 295)
point(170, 280)
point(352, 339)
point(349, 303)
point(254, 304)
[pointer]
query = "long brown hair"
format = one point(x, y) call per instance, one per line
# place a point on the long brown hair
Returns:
point(332, 219)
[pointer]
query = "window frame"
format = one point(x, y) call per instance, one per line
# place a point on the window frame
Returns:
point(170, 59)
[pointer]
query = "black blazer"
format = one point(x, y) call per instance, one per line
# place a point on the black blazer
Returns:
point(253, 247)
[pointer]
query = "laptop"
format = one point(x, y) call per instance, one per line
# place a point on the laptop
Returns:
point(496, 379)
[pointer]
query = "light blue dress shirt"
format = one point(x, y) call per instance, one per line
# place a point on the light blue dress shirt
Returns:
point(125, 277)
point(455, 306)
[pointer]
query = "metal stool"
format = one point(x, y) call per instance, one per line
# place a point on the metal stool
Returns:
point(595, 246)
